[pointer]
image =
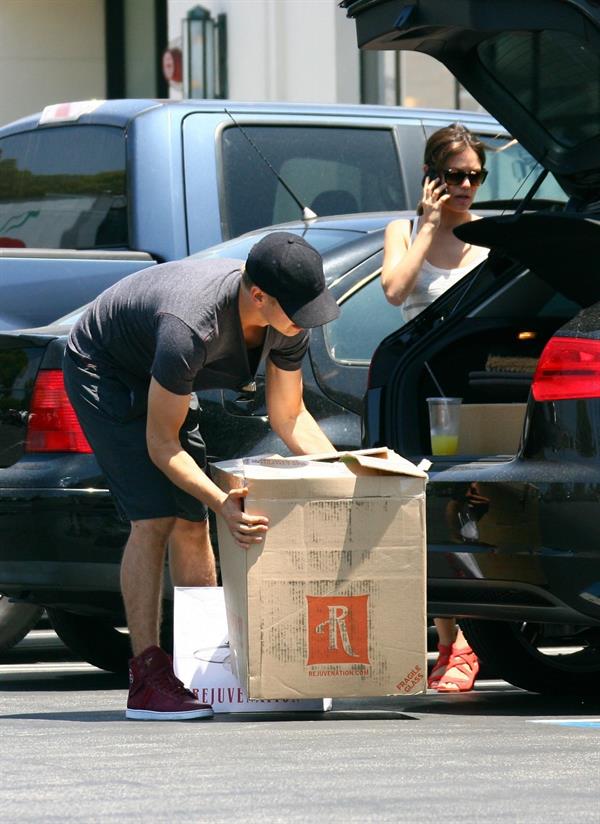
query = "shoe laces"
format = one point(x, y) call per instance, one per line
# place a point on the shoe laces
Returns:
point(166, 680)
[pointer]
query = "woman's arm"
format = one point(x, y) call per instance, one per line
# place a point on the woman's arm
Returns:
point(403, 261)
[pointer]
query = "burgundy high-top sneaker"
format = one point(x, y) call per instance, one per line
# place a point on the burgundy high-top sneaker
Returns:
point(155, 692)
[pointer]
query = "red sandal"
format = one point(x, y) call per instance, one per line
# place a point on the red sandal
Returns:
point(466, 662)
point(440, 666)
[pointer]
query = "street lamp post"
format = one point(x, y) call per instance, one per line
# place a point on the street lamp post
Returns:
point(205, 52)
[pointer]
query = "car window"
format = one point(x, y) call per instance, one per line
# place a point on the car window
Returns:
point(553, 75)
point(63, 189)
point(512, 171)
point(366, 318)
point(332, 170)
point(526, 295)
point(559, 306)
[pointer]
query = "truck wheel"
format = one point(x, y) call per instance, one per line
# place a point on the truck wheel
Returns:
point(15, 621)
point(94, 640)
point(548, 658)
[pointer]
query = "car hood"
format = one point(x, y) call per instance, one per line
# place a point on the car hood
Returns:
point(533, 64)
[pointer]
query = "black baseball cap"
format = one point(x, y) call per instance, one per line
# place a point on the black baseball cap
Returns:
point(290, 270)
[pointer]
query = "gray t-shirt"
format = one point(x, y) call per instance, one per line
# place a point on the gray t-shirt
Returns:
point(179, 323)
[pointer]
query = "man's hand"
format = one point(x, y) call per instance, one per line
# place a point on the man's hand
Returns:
point(245, 529)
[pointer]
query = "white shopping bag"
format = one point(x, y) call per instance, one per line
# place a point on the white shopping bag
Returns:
point(201, 656)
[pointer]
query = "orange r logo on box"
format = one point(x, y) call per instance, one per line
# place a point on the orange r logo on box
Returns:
point(338, 629)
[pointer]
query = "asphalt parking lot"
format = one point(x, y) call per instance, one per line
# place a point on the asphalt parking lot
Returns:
point(497, 754)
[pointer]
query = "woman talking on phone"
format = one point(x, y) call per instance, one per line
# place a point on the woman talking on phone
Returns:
point(423, 258)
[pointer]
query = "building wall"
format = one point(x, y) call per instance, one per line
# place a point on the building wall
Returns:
point(50, 51)
point(300, 51)
point(289, 50)
point(305, 51)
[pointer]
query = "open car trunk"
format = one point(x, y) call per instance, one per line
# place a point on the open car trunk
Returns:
point(534, 65)
point(481, 340)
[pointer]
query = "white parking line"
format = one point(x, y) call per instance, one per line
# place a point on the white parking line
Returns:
point(567, 722)
point(564, 720)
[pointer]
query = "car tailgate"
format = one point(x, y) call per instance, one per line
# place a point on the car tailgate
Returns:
point(39, 285)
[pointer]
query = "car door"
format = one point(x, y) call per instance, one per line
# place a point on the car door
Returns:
point(341, 351)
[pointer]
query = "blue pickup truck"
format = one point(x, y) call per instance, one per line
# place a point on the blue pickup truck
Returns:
point(92, 191)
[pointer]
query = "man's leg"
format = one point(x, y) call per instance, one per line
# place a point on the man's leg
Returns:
point(141, 579)
point(191, 557)
point(155, 693)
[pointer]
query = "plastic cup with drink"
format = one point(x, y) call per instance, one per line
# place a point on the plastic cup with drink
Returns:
point(444, 420)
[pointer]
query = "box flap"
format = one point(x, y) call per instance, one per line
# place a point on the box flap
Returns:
point(376, 452)
point(379, 461)
point(393, 465)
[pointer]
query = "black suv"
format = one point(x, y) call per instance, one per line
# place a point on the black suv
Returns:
point(513, 527)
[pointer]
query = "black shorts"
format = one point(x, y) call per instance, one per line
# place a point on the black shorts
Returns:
point(112, 413)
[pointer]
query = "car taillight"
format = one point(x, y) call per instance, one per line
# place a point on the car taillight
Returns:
point(568, 368)
point(53, 424)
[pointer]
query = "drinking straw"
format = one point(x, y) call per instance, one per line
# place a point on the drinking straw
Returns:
point(434, 379)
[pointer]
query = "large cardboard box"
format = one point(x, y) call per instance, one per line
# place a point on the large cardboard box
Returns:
point(332, 603)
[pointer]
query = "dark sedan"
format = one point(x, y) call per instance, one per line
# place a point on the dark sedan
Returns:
point(513, 527)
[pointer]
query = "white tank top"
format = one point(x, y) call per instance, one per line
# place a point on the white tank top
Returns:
point(433, 281)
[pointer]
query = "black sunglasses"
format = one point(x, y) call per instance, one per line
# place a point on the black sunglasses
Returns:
point(456, 176)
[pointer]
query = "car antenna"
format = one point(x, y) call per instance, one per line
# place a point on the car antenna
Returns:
point(307, 213)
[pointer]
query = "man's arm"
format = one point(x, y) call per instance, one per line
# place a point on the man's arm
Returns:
point(288, 416)
point(166, 415)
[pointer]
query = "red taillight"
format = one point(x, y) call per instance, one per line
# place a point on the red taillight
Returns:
point(53, 424)
point(568, 368)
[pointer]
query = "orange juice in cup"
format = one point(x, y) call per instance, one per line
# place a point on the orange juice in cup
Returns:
point(444, 420)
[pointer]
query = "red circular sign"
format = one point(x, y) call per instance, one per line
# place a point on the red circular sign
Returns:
point(171, 65)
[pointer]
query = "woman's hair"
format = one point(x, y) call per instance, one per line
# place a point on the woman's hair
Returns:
point(446, 142)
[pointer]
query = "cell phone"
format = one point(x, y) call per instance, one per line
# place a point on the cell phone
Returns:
point(441, 179)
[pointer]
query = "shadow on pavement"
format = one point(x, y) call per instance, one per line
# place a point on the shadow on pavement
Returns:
point(356, 714)
point(81, 717)
point(490, 698)
point(493, 700)
point(105, 716)
point(92, 680)
point(503, 699)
